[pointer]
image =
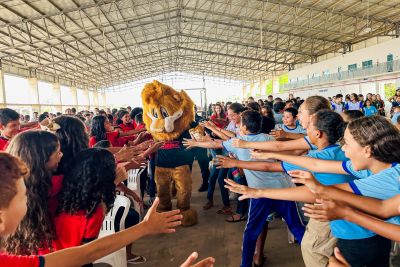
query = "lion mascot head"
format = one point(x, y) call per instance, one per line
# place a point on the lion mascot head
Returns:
point(167, 113)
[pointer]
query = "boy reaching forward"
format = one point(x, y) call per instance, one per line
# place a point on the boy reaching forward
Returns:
point(259, 210)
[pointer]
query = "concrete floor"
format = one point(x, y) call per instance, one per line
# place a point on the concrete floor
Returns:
point(212, 236)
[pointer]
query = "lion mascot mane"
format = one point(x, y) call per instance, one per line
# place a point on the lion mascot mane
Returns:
point(168, 115)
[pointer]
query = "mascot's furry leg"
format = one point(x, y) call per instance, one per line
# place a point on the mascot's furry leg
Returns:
point(183, 182)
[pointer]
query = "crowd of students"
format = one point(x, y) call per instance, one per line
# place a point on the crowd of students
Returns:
point(276, 155)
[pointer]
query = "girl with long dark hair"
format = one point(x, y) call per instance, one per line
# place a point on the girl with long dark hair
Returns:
point(40, 150)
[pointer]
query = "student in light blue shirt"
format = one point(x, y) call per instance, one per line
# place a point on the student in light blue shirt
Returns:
point(353, 104)
point(324, 132)
point(259, 208)
point(369, 109)
point(396, 115)
point(371, 143)
point(290, 123)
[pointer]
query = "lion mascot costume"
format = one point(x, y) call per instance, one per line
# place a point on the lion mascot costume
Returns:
point(169, 115)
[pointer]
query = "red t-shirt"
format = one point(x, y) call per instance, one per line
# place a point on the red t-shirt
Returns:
point(3, 143)
point(74, 230)
point(21, 261)
point(56, 185)
point(126, 127)
point(113, 137)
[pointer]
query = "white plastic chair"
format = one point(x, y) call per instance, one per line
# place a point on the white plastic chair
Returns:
point(117, 258)
point(134, 185)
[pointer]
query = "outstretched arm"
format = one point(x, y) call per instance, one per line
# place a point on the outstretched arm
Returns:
point(333, 210)
point(344, 193)
point(153, 223)
point(300, 193)
point(190, 143)
point(276, 146)
point(312, 164)
point(226, 163)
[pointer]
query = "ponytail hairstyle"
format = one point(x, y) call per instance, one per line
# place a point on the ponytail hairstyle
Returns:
point(315, 103)
point(36, 229)
point(331, 124)
point(380, 135)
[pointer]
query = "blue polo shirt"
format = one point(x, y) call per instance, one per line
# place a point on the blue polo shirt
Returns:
point(312, 147)
point(340, 228)
point(382, 185)
point(257, 179)
point(332, 152)
point(353, 106)
point(394, 118)
point(297, 129)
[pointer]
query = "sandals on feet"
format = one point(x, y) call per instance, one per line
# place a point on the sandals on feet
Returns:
point(225, 211)
point(232, 219)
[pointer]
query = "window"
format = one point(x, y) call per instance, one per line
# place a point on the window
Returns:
point(17, 90)
point(367, 64)
point(82, 99)
point(66, 96)
point(352, 67)
point(325, 72)
point(91, 98)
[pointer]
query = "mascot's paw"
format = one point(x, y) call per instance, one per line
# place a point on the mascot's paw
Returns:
point(189, 217)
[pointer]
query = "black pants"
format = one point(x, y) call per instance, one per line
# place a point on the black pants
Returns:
point(367, 252)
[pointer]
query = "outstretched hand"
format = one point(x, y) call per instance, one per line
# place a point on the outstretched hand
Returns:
point(161, 222)
point(236, 142)
point(245, 191)
point(326, 210)
point(223, 162)
point(189, 143)
point(306, 178)
point(208, 262)
point(257, 154)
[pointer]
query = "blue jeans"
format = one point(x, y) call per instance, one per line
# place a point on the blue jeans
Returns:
point(242, 205)
point(257, 218)
point(220, 175)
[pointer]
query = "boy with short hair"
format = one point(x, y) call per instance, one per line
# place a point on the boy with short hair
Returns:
point(9, 126)
point(290, 123)
point(337, 104)
point(259, 209)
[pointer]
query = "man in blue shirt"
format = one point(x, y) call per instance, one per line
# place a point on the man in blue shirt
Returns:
point(259, 208)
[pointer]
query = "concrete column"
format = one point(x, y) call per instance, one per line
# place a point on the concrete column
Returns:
point(34, 94)
point(74, 94)
point(104, 99)
point(377, 87)
point(2, 89)
point(244, 92)
point(57, 96)
point(33, 90)
point(96, 99)
point(275, 85)
point(86, 97)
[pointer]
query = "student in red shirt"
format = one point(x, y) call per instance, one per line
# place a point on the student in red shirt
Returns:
point(9, 126)
point(219, 117)
point(40, 150)
point(13, 207)
point(102, 130)
point(87, 194)
point(124, 121)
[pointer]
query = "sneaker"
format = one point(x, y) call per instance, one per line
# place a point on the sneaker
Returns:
point(203, 188)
